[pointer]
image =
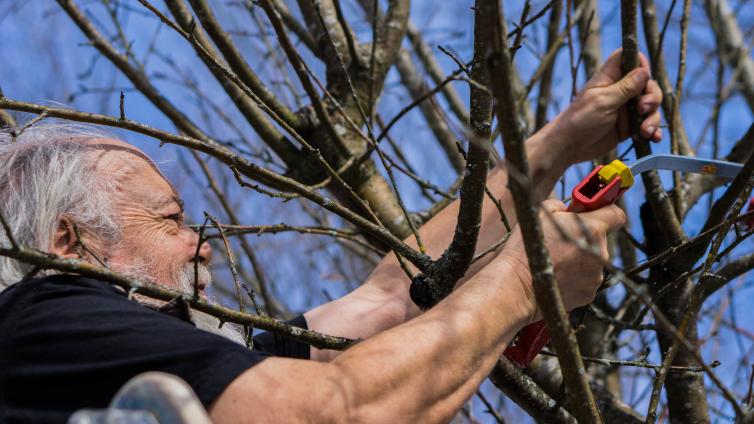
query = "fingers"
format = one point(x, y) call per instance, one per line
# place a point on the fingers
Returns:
point(611, 70)
point(650, 126)
point(611, 217)
point(644, 62)
point(627, 88)
point(651, 99)
point(657, 136)
point(649, 105)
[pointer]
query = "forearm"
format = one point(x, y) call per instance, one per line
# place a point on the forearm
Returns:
point(394, 373)
point(421, 371)
point(383, 301)
point(545, 168)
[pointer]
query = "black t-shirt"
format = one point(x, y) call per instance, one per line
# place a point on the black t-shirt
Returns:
point(70, 342)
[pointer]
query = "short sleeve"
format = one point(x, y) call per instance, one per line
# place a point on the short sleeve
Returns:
point(77, 344)
point(277, 345)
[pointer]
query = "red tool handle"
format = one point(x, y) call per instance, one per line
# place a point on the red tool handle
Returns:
point(590, 194)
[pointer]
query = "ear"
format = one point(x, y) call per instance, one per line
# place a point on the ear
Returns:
point(65, 241)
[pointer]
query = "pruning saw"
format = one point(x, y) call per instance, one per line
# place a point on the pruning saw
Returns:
point(604, 186)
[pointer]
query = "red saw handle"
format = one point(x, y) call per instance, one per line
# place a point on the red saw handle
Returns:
point(593, 192)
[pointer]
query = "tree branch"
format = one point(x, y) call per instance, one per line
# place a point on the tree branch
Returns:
point(660, 73)
point(660, 202)
point(6, 120)
point(238, 64)
point(48, 261)
point(248, 108)
point(546, 289)
point(730, 41)
point(438, 281)
point(245, 167)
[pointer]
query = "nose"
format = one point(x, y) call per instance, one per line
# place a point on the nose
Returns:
point(205, 250)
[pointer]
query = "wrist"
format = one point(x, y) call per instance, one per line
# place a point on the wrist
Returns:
point(547, 159)
point(515, 285)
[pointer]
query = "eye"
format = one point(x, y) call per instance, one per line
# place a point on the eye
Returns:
point(177, 217)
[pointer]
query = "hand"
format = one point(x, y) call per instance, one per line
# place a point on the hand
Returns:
point(578, 273)
point(597, 120)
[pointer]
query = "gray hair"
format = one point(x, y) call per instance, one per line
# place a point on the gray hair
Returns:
point(46, 172)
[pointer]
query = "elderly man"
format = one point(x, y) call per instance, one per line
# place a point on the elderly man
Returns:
point(68, 342)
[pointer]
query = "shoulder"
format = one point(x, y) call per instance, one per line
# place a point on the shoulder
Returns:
point(100, 339)
point(56, 293)
point(63, 296)
point(82, 309)
point(60, 285)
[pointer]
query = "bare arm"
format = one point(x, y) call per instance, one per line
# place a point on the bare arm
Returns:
point(425, 369)
point(382, 301)
point(590, 127)
point(394, 374)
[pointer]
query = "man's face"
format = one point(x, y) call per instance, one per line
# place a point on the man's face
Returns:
point(156, 243)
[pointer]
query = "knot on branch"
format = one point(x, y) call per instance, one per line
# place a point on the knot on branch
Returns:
point(437, 281)
point(426, 292)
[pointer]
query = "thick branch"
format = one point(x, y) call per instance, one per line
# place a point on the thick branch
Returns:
point(245, 167)
point(660, 202)
point(293, 23)
point(310, 9)
point(238, 64)
point(589, 27)
point(390, 32)
point(438, 281)
point(546, 290)
point(248, 108)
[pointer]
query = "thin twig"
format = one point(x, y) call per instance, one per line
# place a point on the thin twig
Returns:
point(49, 261)
point(233, 270)
point(580, 395)
point(8, 233)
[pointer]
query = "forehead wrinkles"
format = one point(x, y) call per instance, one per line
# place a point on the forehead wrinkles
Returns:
point(134, 174)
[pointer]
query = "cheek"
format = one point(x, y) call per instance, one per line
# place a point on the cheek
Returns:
point(161, 240)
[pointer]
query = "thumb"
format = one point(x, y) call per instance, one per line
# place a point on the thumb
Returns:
point(630, 86)
point(611, 217)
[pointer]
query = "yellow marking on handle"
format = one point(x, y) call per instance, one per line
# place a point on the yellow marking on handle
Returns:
point(614, 169)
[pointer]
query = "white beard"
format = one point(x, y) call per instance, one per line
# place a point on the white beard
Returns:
point(184, 277)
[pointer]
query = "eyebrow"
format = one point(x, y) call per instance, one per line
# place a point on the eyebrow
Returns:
point(164, 201)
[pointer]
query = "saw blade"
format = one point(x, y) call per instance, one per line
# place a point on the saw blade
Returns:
point(718, 168)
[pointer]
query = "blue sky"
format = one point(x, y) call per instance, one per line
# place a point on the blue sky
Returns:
point(45, 59)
